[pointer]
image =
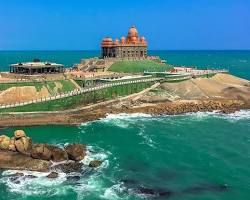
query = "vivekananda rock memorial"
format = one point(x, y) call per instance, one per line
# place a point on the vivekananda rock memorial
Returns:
point(132, 47)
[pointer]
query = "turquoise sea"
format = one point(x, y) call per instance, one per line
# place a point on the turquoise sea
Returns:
point(201, 156)
point(238, 62)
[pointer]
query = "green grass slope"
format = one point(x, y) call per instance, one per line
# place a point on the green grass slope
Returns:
point(138, 66)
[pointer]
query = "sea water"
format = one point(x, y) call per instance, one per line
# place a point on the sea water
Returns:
point(190, 156)
point(201, 156)
point(237, 62)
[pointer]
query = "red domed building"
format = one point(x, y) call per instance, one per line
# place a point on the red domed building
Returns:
point(132, 47)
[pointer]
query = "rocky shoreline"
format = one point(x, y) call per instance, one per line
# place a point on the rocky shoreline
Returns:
point(20, 153)
point(77, 117)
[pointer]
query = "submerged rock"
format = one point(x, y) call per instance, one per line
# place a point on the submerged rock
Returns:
point(30, 176)
point(129, 181)
point(70, 167)
point(18, 174)
point(76, 152)
point(206, 188)
point(53, 175)
point(95, 163)
point(73, 178)
point(155, 192)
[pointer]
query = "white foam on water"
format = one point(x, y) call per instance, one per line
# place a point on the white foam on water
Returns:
point(146, 138)
point(41, 185)
point(114, 192)
point(238, 115)
point(94, 153)
point(85, 124)
point(127, 116)
point(122, 120)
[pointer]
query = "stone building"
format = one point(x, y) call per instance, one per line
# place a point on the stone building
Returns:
point(36, 67)
point(132, 47)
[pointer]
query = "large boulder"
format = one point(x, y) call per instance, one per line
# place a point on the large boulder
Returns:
point(12, 146)
point(23, 145)
point(58, 154)
point(4, 142)
point(76, 152)
point(19, 134)
point(41, 151)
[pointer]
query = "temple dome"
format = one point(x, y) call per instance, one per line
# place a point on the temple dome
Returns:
point(134, 39)
point(132, 32)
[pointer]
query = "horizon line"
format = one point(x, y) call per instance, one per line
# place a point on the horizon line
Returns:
point(148, 50)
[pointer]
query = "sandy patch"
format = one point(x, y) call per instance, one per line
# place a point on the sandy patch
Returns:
point(219, 86)
point(230, 80)
point(22, 94)
point(185, 90)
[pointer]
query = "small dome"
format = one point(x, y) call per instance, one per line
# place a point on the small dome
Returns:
point(123, 40)
point(116, 42)
point(107, 41)
point(143, 41)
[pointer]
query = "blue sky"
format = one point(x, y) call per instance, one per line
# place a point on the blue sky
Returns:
point(167, 24)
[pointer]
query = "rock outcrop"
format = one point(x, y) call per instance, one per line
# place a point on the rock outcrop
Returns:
point(4, 142)
point(23, 145)
point(53, 175)
point(95, 163)
point(18, 161)
point(76, 151)
point(19, 153)
point(41, 151)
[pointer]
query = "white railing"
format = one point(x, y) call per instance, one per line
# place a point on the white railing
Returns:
point(77, 92)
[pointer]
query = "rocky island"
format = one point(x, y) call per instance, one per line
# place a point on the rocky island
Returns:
point(21, 153)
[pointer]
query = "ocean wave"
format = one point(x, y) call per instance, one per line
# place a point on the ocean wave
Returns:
point(40, 185)
point(114, 192)
point(94, 153)
point(122, 120)
point(236, 116)
point(146, 138)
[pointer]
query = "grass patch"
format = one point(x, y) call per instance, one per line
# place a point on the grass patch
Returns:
point(67, 85)
point(139, 66)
